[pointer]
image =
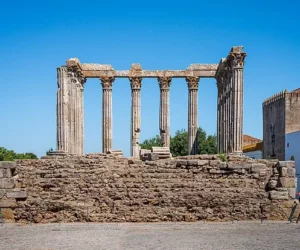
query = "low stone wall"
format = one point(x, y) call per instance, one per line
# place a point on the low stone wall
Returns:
point(108, 188)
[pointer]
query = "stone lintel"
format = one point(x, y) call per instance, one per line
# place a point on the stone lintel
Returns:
point(150, 73)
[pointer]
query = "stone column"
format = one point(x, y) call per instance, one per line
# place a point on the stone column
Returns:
point(81, 116)
point(107, 113)
point(236, 58)
point(219, 116)
point(62, 110)
point(221, 121)
point(225, 117)
point(75, 113)
point(164, 110)
point(73, 83)
point(192, 115)
point(136, 84)
point(230, 110)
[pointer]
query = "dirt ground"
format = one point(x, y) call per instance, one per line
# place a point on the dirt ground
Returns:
point(223, 236)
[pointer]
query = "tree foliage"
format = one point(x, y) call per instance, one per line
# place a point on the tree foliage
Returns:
point(152, 142)
point(207, 144)
point(10, 155)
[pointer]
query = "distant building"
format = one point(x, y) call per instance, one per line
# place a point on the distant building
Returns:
point(281, 116)
point(252, 147)
point(281, 128)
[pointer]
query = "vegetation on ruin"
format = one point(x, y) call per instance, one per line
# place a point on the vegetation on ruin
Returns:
point(11, 155)
point(207, 144)
point(222, 157)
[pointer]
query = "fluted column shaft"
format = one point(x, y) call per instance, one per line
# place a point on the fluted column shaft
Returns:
point(237, 98)
point(192, 115)
point(81, 119)
point(62, 110)
point(106, 113)
point(136, 84)
point(225, 118)
point(164, 110)
point(220, 115)
point(75, 111)
point(230, 110)
point(218, 120)
point(221, 122)
point(237, 119)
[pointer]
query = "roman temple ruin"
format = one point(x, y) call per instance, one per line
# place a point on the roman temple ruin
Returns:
point(228, 74)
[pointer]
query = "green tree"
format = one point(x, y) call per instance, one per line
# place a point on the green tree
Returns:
point(10, 155)
point(179, 143)
point(152, 142)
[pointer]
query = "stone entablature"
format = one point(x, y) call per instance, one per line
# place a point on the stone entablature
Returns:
point(229, 75)
point(90, 70)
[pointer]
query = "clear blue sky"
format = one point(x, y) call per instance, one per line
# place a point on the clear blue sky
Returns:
point(38, 36)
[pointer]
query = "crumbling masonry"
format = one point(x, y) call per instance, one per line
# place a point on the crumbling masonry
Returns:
point(109, 188)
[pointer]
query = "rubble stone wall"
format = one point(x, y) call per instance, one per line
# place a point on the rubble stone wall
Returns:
point(107, 188)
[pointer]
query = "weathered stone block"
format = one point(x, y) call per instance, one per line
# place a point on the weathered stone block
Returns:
point(7, 183)
point(288, 164)
point(7, 214)
point(151, 163)
point(16, 194)
point(291, 172)
point(2, 193)
point(290, 203)
point(257, 168)
point(282, 171)
point(214, 162)
point(292, 193)
point(1, 173)
point(192, 163)
point(154, 157)
point(202, 162)
point(278, 195)
point(222, 165)
point(181, 162)
point(134, 161)
point(236, 166)
point(8, 164)
point(6, 172)
point(272, 184)
point(287, 182)
point(5, 202)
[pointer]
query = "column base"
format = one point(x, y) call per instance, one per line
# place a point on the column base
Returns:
point(57, 152)
point(236, 153)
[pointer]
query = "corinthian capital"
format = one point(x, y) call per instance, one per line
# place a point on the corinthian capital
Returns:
point(135, 82)
point(237, 59)
point(164, 82)
point(192, 82)
point(107, 81)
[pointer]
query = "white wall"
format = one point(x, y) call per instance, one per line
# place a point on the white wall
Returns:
point(255, 154)
point(292, 148)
